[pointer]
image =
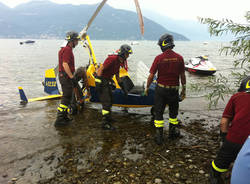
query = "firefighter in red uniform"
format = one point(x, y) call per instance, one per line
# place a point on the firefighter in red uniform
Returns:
point(125, 66)
point(234, 130)
point(66, 77)
point(170, 68)
point(104, 82)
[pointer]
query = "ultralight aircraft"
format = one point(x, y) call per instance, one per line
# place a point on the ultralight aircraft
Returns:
point(135, 97)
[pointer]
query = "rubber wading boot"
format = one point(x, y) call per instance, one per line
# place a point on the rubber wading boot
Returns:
point(215, 177)
point(62, 119)
point(68, 119)
point(159, 136)
point(174, 131)
point(106, 123)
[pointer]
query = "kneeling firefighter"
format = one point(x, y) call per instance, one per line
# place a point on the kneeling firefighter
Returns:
point(66, 77)
point(234, 130)
point(104, 82)
point(78, 98)
point(170, 68)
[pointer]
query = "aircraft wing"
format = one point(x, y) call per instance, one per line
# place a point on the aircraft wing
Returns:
point(24, 99)
point(49, 97)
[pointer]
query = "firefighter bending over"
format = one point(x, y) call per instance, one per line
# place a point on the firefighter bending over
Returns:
point(104, 82)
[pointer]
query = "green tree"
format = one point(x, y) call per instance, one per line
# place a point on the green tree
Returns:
point(239, 48)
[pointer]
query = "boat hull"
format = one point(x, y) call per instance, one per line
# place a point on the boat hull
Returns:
point(27, 42)
point(132, 100)
point(200, 72)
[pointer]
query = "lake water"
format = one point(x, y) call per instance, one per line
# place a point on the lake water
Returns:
point(24, 65)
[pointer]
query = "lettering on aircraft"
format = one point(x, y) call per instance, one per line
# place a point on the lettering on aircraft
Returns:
point(50, 83)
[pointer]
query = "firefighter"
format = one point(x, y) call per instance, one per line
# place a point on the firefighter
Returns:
point(104, 82)
point(234, 130)
point(81, 75)
point(170, 68)
point(125, 66)
point(66, 77)
point(241, 169)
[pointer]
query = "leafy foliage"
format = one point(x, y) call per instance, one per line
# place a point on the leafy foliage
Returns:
point(239, 47)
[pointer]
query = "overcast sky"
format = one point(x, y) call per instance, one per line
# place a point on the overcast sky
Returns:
point(177, 9)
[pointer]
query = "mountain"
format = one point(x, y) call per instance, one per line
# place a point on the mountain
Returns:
point(192, 29)
point(44, 19)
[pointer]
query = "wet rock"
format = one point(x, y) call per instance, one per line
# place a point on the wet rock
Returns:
point(147, 172)
point(177, 175)
point(50, 157)
point(158, 180)
point(125, 164)
point(191, 167)
point(63, 170)
point(201, 172)
point(189, 182)
point(132, 175)
point(14, 179)
point(118, 160)
point(89, 170)
point(117, 182)
point(22, 174)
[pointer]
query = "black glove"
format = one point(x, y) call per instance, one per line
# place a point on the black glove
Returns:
point(74, 82)
point(223, 136)
point(112, 84)
point(123, 88)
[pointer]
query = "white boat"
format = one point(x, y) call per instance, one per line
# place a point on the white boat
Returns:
point(27, 42)
point(200, 65)
point(134, 43)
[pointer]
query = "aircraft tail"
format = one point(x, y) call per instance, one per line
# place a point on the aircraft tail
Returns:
point(50, 84)
point(23, 97)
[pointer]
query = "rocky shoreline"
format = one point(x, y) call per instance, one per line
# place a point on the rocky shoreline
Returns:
point(83, 153)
